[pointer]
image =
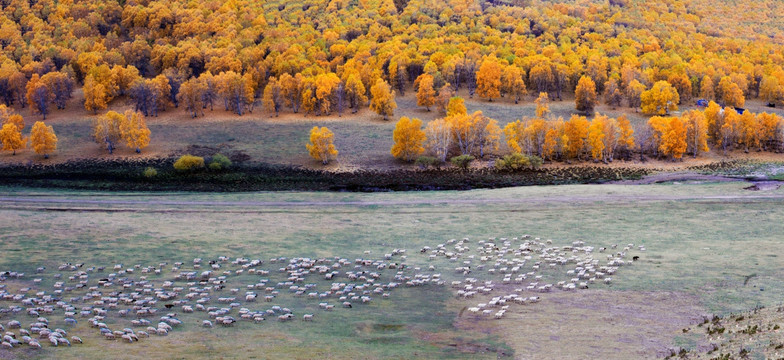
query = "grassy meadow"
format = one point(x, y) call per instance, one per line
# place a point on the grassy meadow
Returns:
point(710, 248)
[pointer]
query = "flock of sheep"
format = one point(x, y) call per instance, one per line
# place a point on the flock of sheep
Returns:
point(143, 301)
point(515, 271)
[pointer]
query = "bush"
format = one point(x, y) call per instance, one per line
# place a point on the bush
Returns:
point(462, 161)
point(427, 161)
point(150, 172)
point(518, 161)
point(220, 162)
point(189, 162)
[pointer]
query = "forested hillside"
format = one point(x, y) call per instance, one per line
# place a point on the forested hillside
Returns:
point(324, 57)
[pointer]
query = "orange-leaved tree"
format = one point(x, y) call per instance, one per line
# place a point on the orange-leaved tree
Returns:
point(488, 78)
point(42, 139)
point(731, 93)
point(596, 137)
point(426, 96)
point(575, 133)
point(585, 95)
point(321, 146)
point(409, 139)
point(673, 141)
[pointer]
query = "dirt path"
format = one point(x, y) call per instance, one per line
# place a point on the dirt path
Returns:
point(680, 176)
point(8, 200)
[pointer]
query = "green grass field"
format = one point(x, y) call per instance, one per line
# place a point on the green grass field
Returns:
point(711, 248)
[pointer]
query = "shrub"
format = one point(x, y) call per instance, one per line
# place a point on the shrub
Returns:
point(150, 172)
point(189, 162)
point(427, 161)
point(220, 162)
point(462, 161)
point(518, 161)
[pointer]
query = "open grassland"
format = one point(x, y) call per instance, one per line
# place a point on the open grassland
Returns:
point(710, 249)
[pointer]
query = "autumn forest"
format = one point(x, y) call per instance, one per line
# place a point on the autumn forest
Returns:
point(680, 74)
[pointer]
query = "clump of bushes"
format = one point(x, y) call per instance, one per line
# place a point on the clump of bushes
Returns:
point(150, 172)
point(462, 161)
point(219, 162)
point(427, 161)
point(518, 161)
point(188, 163)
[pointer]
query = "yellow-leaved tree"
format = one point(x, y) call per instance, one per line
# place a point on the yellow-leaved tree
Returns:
point(321, 146)
point(585, 95)
point(134, 130)
point(731, 93)
point(107, 129)
point(660, 99)
point(488, 78)
point(409, 139)
point(426, 95)
point(42, 139)
point(542, 105)
point(383, 99)
point(673, 141)
point(456, 106)
point(575, 133)
point(7, 116)
point(696, 131)
point(596, 136)
point(625, 135)
point(94, 95)
point(11, 138)
point(512, 82)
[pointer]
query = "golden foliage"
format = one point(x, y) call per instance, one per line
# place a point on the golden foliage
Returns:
point(134, 130)
point(189, 162)
point(426, 96)
point(42, 139)
point(95, 95)
point(488, 79)
point(585, 95)
point(731, 93)
point(382, 99)
point(456, 107)
point(660, 99)
point(107, 129)
point(575, 134)
point(409, 139)
point(11, 138)
point(542, 105)
point(321, 146)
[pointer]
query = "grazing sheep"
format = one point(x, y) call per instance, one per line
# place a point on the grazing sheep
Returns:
point(206, 323)
point(307, 317)
point(76, 340)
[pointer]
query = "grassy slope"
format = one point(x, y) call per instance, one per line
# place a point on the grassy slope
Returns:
point(363, 139)
point(700, 249)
